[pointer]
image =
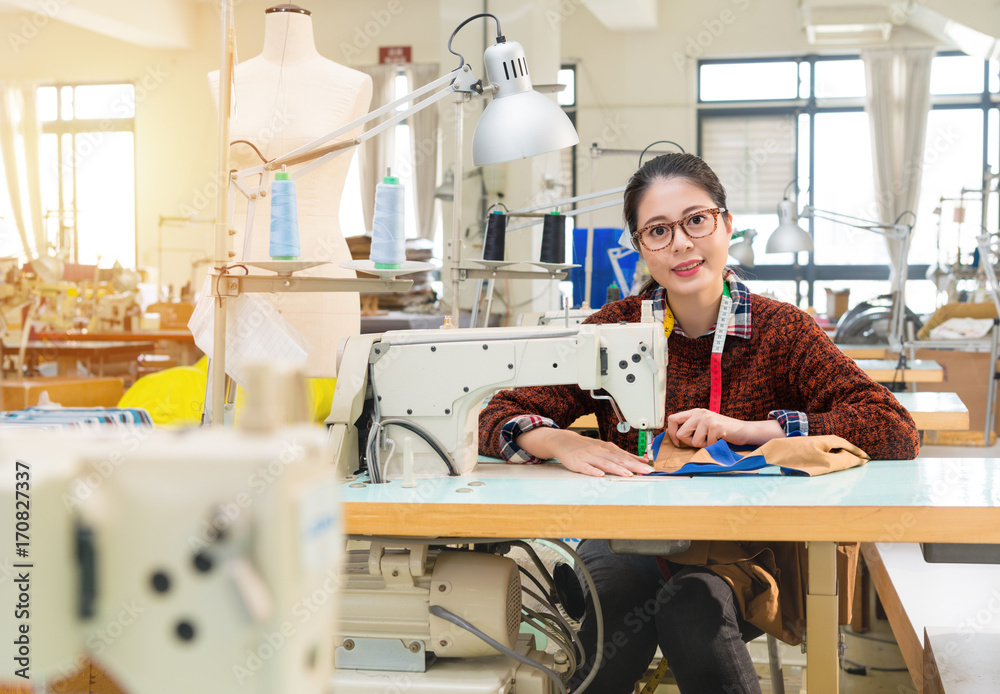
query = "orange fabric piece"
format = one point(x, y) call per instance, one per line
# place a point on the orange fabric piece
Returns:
point(813, 455)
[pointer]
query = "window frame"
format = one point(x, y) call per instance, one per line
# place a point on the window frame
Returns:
point(811, 106)
point(82, 126)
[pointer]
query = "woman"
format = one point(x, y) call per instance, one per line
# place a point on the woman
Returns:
point(781, 376)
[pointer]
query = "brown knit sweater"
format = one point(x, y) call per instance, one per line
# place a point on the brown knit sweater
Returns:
point(787, 364)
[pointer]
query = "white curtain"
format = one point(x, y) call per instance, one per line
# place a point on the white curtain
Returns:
point(898, 100)
point(424, 136)
point(19, 134)
point(376, 153)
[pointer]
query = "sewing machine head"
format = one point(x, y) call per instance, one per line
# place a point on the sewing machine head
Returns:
point(428, 386)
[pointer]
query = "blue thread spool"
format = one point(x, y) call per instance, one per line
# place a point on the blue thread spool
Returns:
point(388, 232)
point(284, 242)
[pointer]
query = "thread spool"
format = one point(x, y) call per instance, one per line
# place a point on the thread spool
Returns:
point(553, 239)
point(614, 293)
point(388, 232)
point(496, 232)
point(284, 240)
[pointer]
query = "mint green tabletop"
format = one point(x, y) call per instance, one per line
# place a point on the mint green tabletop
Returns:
point(947, 499)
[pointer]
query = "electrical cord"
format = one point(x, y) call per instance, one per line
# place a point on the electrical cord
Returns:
point(897, 373)
point(378, 424)
point(426, 436)
point(598, 615)
point(658, 142)
point(870, 638)
point(548, 617)
point(559, 545)
point(859, 669)
point(500, 37)
point(570, 631)
point(449, 616)
point(538, 565)
point(535, 620)
point(252, 145)
point(373, 469)
point(535, 581)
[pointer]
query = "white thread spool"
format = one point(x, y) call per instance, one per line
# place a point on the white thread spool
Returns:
point(408, 478)
point(388, 231)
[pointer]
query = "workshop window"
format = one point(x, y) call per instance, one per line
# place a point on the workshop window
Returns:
point(10, 242)
point(86, 171)
point(832, 158)
point(401, 161)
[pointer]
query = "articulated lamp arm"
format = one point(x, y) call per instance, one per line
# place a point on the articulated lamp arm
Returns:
point(897, 231)
point(317, 152)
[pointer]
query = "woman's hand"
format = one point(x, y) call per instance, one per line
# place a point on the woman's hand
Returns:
point(700, 427)
point(582, 454)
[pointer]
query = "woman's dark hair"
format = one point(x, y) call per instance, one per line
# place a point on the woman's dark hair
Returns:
point(664, 167)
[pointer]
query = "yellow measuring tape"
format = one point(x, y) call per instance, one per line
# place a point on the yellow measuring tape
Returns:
point(656, 677)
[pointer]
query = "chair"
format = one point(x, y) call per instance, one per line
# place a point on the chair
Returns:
point(666, 548)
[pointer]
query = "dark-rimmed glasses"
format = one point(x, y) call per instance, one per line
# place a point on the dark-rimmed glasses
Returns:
point(697, 225)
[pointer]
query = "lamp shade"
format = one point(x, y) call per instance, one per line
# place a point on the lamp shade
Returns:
point(519, 122)
point(742, 251)
point(789, 237)
point(446, 191)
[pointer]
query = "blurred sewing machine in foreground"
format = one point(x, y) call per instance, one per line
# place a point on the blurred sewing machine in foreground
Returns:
point(426, 388)
point(203, 560)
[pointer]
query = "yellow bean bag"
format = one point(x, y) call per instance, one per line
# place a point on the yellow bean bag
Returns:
point(176, 396)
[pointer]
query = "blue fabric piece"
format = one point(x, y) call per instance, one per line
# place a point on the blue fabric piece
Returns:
point(728, 459)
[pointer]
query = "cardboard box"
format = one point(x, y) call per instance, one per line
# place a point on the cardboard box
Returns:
point(18, 393)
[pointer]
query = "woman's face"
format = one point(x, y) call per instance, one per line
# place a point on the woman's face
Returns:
point(686, 266)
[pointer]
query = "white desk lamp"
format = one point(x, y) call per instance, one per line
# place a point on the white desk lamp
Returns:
point(896, 230)
point(789, 237)
point(518, 123)
point(742, 250)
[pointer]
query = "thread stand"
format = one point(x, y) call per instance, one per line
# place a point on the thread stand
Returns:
point(285, 268)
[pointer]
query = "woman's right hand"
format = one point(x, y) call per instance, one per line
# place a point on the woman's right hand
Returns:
point(582, 454)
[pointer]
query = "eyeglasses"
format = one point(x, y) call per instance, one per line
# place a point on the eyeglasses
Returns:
point(697, 225)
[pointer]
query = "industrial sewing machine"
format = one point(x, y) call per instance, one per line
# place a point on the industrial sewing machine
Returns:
point(428, 386)
point(417, 394)
point(204, 560)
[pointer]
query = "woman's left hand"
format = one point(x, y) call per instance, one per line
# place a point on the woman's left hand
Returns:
point(700, 427)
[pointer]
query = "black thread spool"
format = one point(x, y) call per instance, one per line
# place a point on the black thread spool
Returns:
point(496, 233)
point(553, 239)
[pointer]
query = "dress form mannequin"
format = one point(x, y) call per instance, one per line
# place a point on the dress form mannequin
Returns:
point(285, 97)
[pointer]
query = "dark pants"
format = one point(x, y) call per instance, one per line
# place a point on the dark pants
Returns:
point(693, 617)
